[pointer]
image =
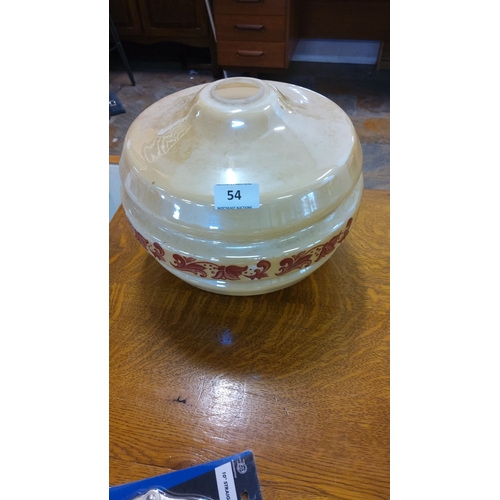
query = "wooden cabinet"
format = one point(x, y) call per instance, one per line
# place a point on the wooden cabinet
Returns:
point(151, 21)
point(348, 20)
point(172, 18)
point(125, 15)
point(345, 19)
point(257, 34)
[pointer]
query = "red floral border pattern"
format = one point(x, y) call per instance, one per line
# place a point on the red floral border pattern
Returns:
point(305, 259)
point(211, 270)
point(154, 249)
point(206, 269)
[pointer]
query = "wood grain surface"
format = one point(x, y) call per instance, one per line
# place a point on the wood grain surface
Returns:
point(299, 376)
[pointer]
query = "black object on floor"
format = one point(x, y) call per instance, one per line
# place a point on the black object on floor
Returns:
point(118, 45)
point(115, 106)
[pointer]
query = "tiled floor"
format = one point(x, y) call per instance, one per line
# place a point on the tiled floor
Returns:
point(360, 90)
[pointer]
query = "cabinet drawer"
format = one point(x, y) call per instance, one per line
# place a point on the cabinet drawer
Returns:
point(251, 28)
point(250, 7)
point(251, 54)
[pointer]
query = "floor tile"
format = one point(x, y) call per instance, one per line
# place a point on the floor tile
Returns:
point(113, 137)
point(376, 166)
point(183, 79)
point(373, 104)
point(345, 101)
point(372, 130)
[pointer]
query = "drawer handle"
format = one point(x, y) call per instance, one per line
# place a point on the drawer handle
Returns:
point(252, 27)
point(250, 53)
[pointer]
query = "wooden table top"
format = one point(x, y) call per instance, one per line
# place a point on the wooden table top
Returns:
point(299, 376)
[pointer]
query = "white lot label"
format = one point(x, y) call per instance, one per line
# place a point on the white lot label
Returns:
point(236, 196)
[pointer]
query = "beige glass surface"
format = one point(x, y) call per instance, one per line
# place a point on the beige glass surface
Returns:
point(299, 147)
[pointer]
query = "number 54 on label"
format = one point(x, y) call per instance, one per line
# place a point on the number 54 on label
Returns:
point(236, 196)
